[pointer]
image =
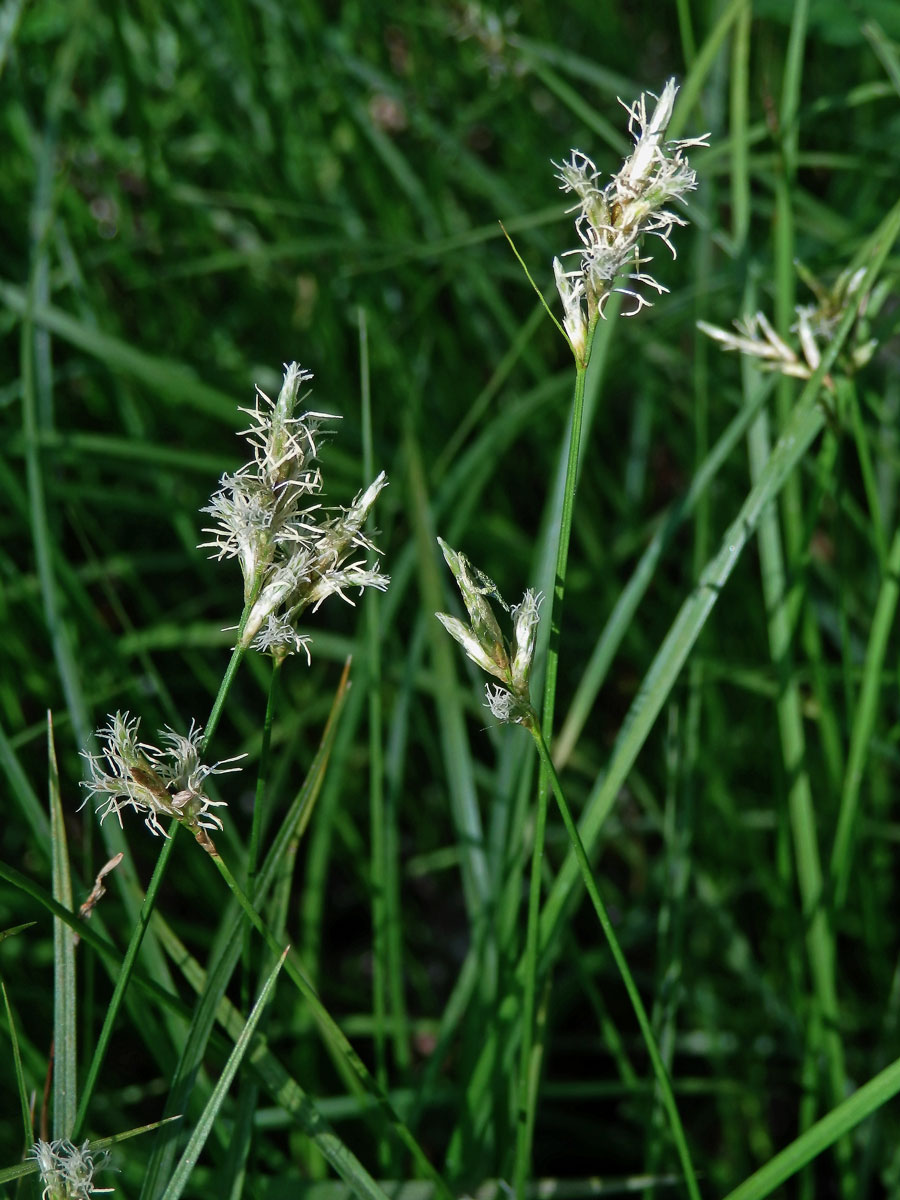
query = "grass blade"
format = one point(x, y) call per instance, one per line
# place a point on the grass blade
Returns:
point(203, 1128)
point(65, 991)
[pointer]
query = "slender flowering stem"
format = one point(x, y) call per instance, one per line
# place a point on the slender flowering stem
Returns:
point(526, 1101)
point(529, 1056)
point(662, 1077)
point(262, 777)
point(612, 222)
point(262, 782)
point(231, 671)
point(523, 1152)
point(565, 535)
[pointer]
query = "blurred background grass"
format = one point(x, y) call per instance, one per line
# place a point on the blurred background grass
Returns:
point(195, 194)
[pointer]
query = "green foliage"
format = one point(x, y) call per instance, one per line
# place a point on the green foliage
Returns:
point(195, 194)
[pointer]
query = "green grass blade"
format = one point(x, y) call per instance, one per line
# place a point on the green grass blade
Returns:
point(282, 1087)
point(23, 793)
point(65, 991)
point(10, 16)
point(864, 722)
point(840, 1121)
point(334, 1035)
point(203, 1128)
point(21, 1084)
point(123, 978)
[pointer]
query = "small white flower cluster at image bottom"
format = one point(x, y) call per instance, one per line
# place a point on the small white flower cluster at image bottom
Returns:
point(67, 1171)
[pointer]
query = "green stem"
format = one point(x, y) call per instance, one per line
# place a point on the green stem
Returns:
point(386, 985)
point(864, 723)
point(379, 865)
point(262, 777)
point(562, 549)
point(237, 655)
point(224, 687)
point(662, 1078)
point(531, 1053)
point(262, 781)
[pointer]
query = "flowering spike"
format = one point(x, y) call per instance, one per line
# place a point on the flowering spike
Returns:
point(612, 220)
point(475, 587)
point(167, 782)
point(67, 1171)
point(293, 554)
point(570, 286)
point(814, 328)
point(486, 646)
point(526, 617)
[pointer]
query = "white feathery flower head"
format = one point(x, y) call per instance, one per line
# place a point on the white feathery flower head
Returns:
point(505, 707)
point(526, 617)
point(278, 635)
point(243, 514)
point(293, 552)
point(485, 644)
point(355, 575)
point(67, 1171)
point(160, 782)
point(757, 338)
point(570, 285)
point(338, 536)
point(613, 219)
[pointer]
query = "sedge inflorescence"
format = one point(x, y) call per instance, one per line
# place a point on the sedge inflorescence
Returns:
point(486, 645)
point(293, 552)
point(167, 781)
point(612, 219)
point(66, 1170)
point(814, 327)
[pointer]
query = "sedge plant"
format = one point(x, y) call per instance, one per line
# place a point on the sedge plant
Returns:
point(286, 141)
point(294, 553)
point(831, 341)
point(613, 222)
